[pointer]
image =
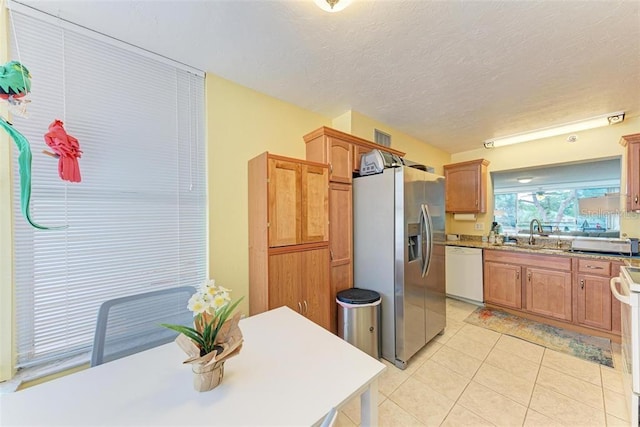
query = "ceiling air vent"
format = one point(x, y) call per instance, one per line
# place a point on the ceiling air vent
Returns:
point(382, 138)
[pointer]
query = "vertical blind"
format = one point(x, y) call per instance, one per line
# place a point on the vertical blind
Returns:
point(137, 221)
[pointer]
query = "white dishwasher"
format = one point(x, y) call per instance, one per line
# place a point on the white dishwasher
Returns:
point(464, 273)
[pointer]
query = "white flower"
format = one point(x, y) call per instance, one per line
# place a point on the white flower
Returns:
point(208, 286)
point(198, 303)
point(209, 291)
point(219, 301)
point(223, 289)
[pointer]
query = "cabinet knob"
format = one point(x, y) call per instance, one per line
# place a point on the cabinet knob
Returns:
point(581, 283)
point(529, 276)
point(299, 307)
point(517, 275)
point(635, 200)
point(306, 307)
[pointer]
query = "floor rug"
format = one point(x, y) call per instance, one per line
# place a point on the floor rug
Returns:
point(593, 349)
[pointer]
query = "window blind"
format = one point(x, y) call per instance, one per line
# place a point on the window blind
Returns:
point(137, 221)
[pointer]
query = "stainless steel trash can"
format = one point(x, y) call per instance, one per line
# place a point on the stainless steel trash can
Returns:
point(359, 319)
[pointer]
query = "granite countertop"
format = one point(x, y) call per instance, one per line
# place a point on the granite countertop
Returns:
point(632, 261)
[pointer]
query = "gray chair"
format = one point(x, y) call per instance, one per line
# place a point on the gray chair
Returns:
point(131, 324)
point(330, 418)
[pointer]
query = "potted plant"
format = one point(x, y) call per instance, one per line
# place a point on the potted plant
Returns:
point(214, 337)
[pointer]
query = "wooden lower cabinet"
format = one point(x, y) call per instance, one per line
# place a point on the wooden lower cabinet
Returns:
point(571, 292)
point(299, 279)
point(593, 301)
point(548, 292)
point(502, 284)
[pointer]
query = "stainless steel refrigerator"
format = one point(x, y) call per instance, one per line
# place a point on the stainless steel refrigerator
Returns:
point(399, 252)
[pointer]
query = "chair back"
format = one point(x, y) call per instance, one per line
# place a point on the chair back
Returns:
point(330, 418)
point(131, 324)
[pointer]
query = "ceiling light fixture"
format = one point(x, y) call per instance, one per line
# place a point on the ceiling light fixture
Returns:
point(525, 180)
point(332, 5)
point(594, 122)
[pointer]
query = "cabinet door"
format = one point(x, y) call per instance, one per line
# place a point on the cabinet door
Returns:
point(341, 241)
point(594, 301)
point(616, 315)
point(358, 151)
point(284, 203)
point(285, 271)
point(502, 284)
point(548, 293)
point(340, 160)
point(633, 176)
point(464, 188)
point(314, 282)
point(315, 204)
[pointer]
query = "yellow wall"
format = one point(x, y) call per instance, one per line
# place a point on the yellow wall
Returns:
point(415, 149)
point(6, 236)
point(591, 144)
point(242, 124)
point(342, 122)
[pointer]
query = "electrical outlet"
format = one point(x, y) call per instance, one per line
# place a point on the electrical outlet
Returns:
point(479, 225)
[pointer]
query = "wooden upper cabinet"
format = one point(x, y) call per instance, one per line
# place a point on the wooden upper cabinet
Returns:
point(341, 151)
point(466, 186)
point(632, 142)
point(358, 151)
point(340, 160)
point(297, 202)
point(315, 204)
point(284, 203)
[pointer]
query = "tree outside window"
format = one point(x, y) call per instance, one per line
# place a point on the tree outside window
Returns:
point(557, 209)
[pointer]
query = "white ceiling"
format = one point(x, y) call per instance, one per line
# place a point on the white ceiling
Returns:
point(450, 73)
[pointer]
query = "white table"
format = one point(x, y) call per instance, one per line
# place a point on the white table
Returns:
point(289, 372)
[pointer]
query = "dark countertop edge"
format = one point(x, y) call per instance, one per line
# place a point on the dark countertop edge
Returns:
point(635, 261)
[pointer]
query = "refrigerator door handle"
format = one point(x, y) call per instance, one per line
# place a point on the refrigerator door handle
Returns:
point(426, 228)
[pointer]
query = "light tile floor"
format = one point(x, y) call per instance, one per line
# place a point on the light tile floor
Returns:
point(471, 376)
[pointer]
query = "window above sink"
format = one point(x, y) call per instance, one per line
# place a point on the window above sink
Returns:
point(552, 195)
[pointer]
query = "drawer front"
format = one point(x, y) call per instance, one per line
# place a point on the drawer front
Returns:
point(595, 267)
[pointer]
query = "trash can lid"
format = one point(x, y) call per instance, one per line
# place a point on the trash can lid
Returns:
point(358, 296)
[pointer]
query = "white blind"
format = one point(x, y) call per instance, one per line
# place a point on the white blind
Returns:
point(137, 221)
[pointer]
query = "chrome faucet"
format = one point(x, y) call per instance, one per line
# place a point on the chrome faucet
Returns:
point(531, 239)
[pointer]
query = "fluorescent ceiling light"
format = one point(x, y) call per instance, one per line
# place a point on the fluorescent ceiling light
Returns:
point(524, 180)
point(594, 122)
point(332, 5)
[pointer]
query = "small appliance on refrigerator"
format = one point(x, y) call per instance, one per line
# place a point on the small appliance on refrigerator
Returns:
point(399, 251)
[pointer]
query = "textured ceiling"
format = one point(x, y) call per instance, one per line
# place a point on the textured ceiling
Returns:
point(450, 73)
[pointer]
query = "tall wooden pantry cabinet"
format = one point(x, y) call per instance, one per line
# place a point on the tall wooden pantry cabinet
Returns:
point(289, 236)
